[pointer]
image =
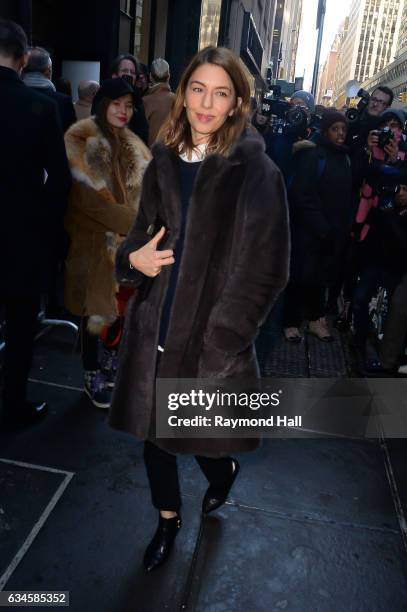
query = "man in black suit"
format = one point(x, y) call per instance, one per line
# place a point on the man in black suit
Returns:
point(34, 182)
point(37, 75)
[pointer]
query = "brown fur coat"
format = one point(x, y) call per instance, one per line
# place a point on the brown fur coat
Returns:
point(96, 221)
point(234, 265)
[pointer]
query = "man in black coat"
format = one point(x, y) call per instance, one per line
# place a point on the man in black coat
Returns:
point(127, 67)
point(35, 180)
point(37, 75)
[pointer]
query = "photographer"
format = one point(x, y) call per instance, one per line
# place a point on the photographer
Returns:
point(381, 161)
point(287, 128)
point(395, 332)
point(366, 116)
point(364, 119)
point(382, 257)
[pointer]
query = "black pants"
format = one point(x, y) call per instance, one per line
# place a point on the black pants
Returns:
point(395, 329)
point(20, 313)
point(301, 301)
point(90, 344)
point(162, 474)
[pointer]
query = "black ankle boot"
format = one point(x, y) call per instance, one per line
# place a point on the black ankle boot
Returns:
point(161, 544)
point(215, 496)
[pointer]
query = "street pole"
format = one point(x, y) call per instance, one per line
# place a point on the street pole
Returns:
point(320, 28)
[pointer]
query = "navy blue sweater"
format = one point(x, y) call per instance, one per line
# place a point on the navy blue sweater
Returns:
point(188, 172)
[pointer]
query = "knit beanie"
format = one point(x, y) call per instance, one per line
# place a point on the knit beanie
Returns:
point(306, 97)
point(330, 117)
point(397, 113)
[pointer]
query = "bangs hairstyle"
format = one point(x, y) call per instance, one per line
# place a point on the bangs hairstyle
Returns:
point(176, 131)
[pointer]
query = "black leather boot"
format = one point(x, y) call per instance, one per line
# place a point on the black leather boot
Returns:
point(161, 545)
point(215, 496)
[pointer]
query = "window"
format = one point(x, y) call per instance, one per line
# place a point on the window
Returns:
point(138, 27)
point(125, 6)
point(210, 19)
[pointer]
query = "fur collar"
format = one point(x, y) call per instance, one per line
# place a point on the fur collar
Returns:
point(250, 145)
point(303, 145)
point(90, 156)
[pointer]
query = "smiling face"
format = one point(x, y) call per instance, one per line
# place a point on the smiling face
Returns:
point(209, 100)
point(120, 111)
point(337, 133)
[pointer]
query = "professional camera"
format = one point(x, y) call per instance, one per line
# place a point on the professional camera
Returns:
point(284, 116)
point(386, 195)
point(353, 114)
point(316, 122)
point(385, 136)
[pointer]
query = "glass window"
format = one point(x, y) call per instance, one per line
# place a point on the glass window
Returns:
point(125, 6)
point(209, 26)
point(138, 27)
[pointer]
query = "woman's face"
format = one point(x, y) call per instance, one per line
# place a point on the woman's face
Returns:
point(209, 100)
point(337, 133)
point(120, 111)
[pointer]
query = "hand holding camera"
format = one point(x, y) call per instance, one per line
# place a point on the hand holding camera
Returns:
point(392, 150)
point(384, 139)
point(373, 139)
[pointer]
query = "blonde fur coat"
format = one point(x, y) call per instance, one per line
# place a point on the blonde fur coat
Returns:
point(96, 220)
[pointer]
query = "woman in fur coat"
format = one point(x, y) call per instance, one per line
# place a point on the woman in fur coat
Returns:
point(209, 251)
point(107, 163)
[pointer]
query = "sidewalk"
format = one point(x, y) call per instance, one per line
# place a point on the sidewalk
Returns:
point(312, 525)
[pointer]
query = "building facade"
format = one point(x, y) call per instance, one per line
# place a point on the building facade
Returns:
point(290, 31)
point(276, 47)
point(371, 41)
point(395, 74)
point(246, 27)
point(326, 78)
point(402, 41)
point(96, 32)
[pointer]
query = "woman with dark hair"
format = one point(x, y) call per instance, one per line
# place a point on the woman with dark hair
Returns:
point(321, 216)
point(209, 276)
point(107, 163)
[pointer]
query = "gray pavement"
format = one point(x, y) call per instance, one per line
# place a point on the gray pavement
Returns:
point(312, 525)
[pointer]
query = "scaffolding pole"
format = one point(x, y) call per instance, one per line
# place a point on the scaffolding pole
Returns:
point(320, 28)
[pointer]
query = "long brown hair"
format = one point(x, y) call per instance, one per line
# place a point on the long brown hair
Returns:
point(176, 131)
point(115, 144)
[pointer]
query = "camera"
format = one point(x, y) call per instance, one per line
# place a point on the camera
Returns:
point(385, 136)
point(128, 78)
point(353, 114)
point(284, 116)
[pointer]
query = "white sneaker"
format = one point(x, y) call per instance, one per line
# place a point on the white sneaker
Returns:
point(96, 388)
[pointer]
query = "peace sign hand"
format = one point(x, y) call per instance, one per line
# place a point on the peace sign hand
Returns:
point(148, 259)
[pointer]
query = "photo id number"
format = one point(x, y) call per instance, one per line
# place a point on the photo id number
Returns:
point(34, 598)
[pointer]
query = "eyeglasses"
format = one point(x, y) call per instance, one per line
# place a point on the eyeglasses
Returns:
point(377, 101)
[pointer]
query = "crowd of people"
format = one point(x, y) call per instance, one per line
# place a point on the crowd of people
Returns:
point(197, 230)
point(345, 178)
point(177, 221)
point(346, 175)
